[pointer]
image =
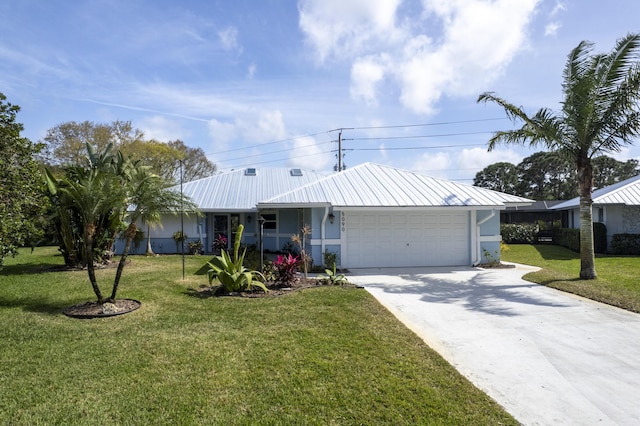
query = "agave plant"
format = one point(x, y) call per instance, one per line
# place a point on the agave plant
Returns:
point(230, 272)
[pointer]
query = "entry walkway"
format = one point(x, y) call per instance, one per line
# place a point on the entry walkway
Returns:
point(549, 358)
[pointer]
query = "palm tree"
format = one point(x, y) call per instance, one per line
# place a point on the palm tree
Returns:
point(96, 192)
point(110, 188)
point(599, 115)
point(149, 195)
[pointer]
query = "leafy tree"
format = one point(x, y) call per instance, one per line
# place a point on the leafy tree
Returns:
point(66, 143)
point(546, 176)
point(501, 177)
point(607, 171)
point(194, 162)
point(21, 198)
point(599, 114)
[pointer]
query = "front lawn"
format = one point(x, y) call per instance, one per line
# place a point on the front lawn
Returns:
point(328, 355)
point(618, 281)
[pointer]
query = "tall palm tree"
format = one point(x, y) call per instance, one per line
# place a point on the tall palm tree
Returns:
point(599, 115)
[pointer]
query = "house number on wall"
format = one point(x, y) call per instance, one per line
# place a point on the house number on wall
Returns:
point(343, 221)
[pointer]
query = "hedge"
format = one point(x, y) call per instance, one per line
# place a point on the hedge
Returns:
point(519, 233)
point(625, 244)
point(527, 233)
point(570, 238)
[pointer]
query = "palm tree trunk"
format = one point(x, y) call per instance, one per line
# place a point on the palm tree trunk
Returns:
point(149, 251)
point(89, 230)
point(587, 252)
point(129, 234)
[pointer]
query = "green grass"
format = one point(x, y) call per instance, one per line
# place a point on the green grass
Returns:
point(618, 282)
point(328, 355)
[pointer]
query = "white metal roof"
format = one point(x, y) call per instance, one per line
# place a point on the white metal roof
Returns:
point(241, 191)
point(374, 185)
point(626, 192)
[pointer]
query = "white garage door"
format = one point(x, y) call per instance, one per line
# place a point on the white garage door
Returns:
point(378, 239)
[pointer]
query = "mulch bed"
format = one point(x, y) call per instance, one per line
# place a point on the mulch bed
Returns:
point(274, 289)
point(90, 310)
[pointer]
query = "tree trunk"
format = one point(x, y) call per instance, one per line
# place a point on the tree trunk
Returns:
point(149, 251)
point(89, 231)
point(587, 252)
point(129, 234)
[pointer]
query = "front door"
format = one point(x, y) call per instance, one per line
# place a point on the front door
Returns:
point(226, 225)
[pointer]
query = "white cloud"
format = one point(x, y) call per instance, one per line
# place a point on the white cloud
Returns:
point(346, 28)
point(434, 164)
point(306, 154)
point(478, 40)
point(161, 128)
point(229, 38)
point(251, 71)
point(551, 28)
point(366, 73)
point(479, 158)
point(251, 127)
point(558, 8)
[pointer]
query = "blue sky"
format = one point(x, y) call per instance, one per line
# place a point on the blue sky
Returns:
point(265, 83)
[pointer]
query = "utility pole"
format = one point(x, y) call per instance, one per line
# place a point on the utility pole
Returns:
point(340, 151)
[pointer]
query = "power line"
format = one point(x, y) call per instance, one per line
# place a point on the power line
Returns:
point(442, 135)
point(415, 147)
point(397, 126)
point(340, 151)
point(430, 124)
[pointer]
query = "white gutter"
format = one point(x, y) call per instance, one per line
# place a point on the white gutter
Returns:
point(478, 224)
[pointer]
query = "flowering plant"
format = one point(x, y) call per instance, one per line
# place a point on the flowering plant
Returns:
point(220, 243)
point(285, 268)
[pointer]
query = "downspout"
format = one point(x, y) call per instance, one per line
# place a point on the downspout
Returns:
point(478, 225)
point(323, 228)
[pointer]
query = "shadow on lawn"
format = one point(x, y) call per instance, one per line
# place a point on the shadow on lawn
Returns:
point(36, 304)
point(554, 252)
point(29, 269)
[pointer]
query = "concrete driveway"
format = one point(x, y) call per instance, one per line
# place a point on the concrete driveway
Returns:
point(548, 357)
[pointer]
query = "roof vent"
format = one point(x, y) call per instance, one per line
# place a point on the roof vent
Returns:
point(250, 171)
point(296, 172)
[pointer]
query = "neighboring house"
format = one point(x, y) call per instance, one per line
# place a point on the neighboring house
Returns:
point(538, 211)
point(369, 215)
point(617, 206)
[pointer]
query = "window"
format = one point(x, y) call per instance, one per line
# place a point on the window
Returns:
point(250, 172)
point(296, 172)
point(270, 221)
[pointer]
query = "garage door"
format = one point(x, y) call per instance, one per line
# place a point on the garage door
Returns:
point(407, 239)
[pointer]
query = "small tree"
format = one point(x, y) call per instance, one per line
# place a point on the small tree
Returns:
point(300, 240)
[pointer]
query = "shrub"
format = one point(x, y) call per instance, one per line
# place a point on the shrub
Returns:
point(570, 238)
point(219, 243)
point(330, 259)
point(285, 268)
point(519, 233)
point(625, 244)
point(195, 247)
